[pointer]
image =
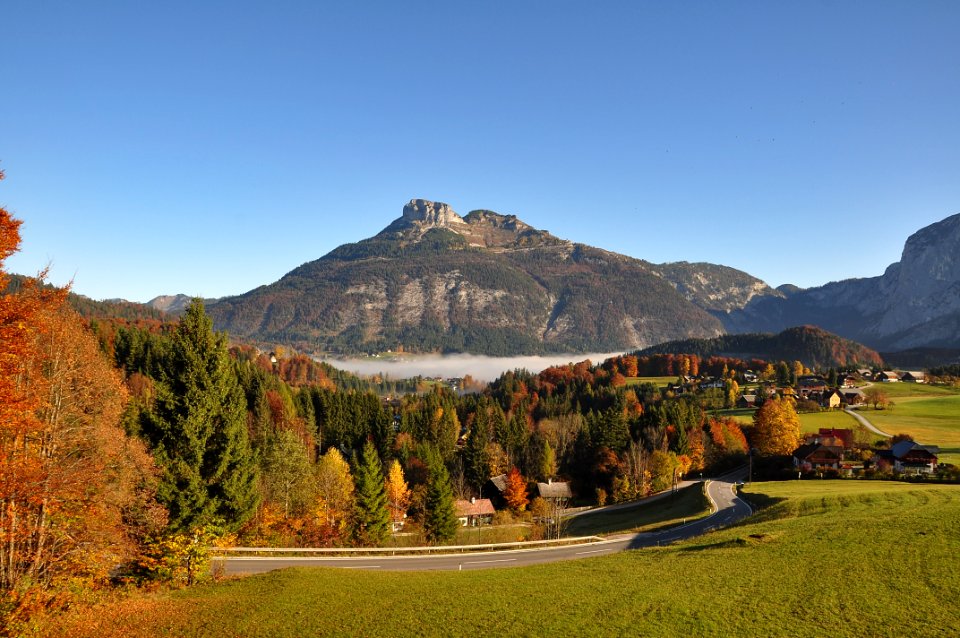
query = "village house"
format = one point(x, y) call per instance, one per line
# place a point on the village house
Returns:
point(842, 437)
point(913, 376)
point(476, 511)
point(909, 457)
point(888, 376)
point(747, 401)
point(854, 397)
point(831, 399)
point(817, 456)
point(555, 490)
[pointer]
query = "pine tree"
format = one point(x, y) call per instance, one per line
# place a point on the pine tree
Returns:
point(476, 461)
point(198, 430)
point(440, 520)
point(372, 518)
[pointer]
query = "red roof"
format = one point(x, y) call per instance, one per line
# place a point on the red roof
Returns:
point(479, 507)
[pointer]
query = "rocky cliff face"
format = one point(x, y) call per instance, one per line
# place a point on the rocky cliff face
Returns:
point(916, 302)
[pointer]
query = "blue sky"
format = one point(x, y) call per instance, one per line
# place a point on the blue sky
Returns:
point(156, 148)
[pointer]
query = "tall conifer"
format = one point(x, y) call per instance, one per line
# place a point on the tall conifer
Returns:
point(198, 430)
point(440, 520)
point(372, 519)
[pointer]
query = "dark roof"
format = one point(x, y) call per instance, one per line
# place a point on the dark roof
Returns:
point(555, 489)
point(818, 453)
point(500, 482)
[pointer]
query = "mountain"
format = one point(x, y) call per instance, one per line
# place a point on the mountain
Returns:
point(915, 303)
point(812, 346)
point(106, 309)
point(484, 283)
point(173, 304)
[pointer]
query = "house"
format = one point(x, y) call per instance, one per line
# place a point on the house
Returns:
point(913, 376)
point(839, 436)
point(747, 401)
point(476, 511)
point(865, 373)
point(554, 490)
point(848, 381)
point(854, 397)
point(888, 376)
point(910, 457)
point(831, 399)
point(817, 456)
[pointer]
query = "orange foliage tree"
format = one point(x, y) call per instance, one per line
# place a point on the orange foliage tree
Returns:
point(516, 491)
point(75, 491)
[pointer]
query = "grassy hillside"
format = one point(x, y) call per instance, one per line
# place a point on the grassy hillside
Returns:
point(824, 558)
point(930, 414)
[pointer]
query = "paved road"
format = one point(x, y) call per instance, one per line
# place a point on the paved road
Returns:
point(729, 509)
point(863, 421)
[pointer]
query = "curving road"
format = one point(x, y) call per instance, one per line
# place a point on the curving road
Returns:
point(863, 421)
point(728, 510)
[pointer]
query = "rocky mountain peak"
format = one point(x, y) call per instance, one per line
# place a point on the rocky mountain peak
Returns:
point(427, 213)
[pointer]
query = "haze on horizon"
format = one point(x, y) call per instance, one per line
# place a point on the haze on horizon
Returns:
point(208, 150)
point(450, 366)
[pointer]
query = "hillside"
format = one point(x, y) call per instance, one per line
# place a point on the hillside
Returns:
point(484, 283)
point(812, 346)
point(109, 309)
point(915, 303)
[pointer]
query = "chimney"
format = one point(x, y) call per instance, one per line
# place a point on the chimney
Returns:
point(549, 481)
point(473, 500)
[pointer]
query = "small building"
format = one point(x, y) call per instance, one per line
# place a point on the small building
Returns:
point(476, 511)
point(817, 456)
point(554, 490)
point(831, 399)
point(888, 376)
point(839, 436)
point(854, 397)
point(913, 376)
point(747, 401)
point(910, 457)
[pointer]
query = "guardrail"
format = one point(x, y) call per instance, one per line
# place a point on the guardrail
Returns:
point(225, 552)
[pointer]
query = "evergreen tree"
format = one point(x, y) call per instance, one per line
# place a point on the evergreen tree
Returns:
point(476, 461)
point(372, 519)
point(440, 519)
point(198, 430)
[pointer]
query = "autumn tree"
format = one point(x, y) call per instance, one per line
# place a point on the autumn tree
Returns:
point(372, 517)
point(335, 493)
point(198, 430)
point(516, 491)
point(398, 493)
point(776, 427)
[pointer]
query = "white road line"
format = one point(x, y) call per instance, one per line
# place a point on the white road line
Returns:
point(482, 562)
point(594, 551)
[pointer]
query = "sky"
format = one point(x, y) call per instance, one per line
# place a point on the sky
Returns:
point(208, 148)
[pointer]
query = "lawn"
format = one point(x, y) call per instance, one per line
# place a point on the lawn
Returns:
point(813, 421)
point(689, 503)
point(932, 419)
point(824, 558)
point(660, 382)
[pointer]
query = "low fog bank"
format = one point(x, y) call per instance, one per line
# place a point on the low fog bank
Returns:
point(479, 367)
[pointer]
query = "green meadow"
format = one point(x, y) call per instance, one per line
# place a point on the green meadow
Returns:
point(822, 558)
point(929, 414)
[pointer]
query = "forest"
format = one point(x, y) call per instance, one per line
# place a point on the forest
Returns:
point(130, 445)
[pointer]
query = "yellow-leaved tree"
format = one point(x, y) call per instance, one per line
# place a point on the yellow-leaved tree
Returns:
point(398, 493)
point(776, 427)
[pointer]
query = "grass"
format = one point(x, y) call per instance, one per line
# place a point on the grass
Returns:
point(933, 419)
point(690, 503)
point(660, 382)
point(825, 558)
point(813, 421)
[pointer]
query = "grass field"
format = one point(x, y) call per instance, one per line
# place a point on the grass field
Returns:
point(690, 503)
point(932, 419)
point(825, 558)
point(660, 382)
point(813, 421)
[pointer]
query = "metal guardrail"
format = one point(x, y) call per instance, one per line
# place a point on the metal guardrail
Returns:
point(222, 552)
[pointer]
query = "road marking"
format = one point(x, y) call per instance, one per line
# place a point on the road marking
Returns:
point(482, 562)
point(594, 551)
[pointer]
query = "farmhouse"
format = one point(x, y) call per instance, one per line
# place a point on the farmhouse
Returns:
point(554, 490)
point(854, 397)
point(474, 512)
point(817, 456)
point(747, 401)
point(913, 376)
point(888, 376)
point(909, 457)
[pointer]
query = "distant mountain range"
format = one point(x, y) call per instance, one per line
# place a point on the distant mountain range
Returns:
point(488, 283)
point(491, 284)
